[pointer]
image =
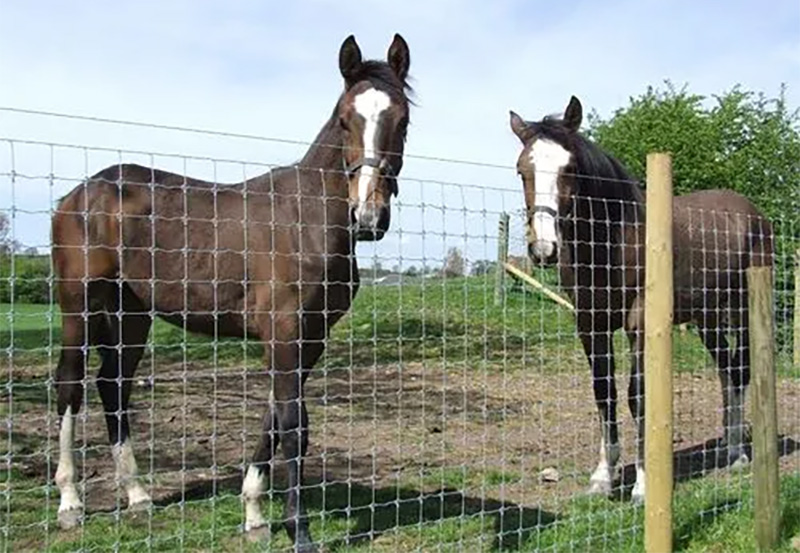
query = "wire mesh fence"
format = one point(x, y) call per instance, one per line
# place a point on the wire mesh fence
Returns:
point(442, 416)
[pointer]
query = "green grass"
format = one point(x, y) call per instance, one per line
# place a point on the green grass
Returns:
point(711, 515)
point(453, 321)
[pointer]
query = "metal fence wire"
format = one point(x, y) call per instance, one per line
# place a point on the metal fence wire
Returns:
point(454, 406)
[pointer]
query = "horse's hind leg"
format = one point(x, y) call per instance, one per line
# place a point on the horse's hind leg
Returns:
point(734, 375)
point(121, 347)
point(70, 374)
point(636, 405)
point(734, 385)
point(82, 324)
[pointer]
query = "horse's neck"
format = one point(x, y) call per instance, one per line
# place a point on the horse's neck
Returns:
point(325, 153)
point(320, 175)
point(598, 221)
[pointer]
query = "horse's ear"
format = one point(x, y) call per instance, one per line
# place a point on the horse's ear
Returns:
point(519, 126)
point(398, 57)
point(573, 116)
point(349, 58)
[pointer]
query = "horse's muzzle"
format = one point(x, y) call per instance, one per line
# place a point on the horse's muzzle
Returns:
point(543, 252)
point(370, 223)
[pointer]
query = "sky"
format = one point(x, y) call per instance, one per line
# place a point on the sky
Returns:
point(270, 69)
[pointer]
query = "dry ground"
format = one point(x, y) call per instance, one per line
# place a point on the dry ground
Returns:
point(420, 427)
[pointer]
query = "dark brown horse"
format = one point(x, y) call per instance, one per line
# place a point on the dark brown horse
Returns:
point(270, 258)
point(587, 214)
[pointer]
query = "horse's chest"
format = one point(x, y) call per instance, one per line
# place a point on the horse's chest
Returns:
point(334, 289)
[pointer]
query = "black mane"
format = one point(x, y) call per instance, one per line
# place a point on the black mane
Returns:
point(383, 77)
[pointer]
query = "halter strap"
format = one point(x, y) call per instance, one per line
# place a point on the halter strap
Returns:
point(381, 164)
point(544, 209)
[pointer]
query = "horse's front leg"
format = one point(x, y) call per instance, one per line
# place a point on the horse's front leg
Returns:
point(286, 424)
point(599, 350)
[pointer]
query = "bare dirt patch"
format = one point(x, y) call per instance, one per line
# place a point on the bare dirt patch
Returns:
point(486, 432)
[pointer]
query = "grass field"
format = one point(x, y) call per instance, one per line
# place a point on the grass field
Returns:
point(410, 380)
point(454, 320)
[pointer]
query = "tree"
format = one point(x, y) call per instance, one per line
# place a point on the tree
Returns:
point(453, 263)
point(482, 267)
point(7, 245)
point(5, 227)
point(411, 271)
point(738, 140)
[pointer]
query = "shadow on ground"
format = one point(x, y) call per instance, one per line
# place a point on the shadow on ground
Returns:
point(698, 461)
point(378, 510)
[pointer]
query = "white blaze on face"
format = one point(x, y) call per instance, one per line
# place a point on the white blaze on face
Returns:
point(370, 105)
point(548, 159)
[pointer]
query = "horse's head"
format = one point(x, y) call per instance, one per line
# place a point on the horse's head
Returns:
point(373, 114)
point(547, 168)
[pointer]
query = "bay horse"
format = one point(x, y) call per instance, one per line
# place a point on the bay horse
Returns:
point(586, 214)
point(271, 258)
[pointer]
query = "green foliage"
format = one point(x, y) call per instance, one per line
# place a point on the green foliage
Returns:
point(27, 276)
point(738, 140)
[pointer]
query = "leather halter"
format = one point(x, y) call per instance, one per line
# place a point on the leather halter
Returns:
point(544, 209)
point(381, 164)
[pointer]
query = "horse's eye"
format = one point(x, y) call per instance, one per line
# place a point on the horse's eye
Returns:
point(343, 124)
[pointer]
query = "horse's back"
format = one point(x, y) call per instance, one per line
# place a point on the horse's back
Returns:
point(124, 205)
point(187, 245)
point(165, 234)
point(724, 223)
point(84, 225)
point(718, 234)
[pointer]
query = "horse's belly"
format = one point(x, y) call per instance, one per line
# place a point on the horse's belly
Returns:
point(199, 306)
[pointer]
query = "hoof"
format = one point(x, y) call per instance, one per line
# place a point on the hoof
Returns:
point(739, 462)
point(140, 506)
point(599, 487)
point(258, 534)
point(69, 518)
point(637, 493)
point(307, 548)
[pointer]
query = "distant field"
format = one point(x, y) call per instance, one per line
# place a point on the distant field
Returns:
point(453, 320)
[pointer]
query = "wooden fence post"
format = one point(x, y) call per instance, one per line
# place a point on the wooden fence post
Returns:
point(765, 416)
point(796, 343)
point(502, 257)
point(658, 355)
